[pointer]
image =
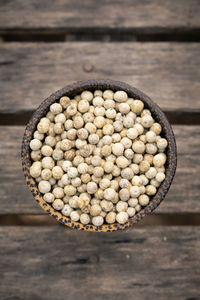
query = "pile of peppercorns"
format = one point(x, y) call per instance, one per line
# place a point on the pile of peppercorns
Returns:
point(99, 157)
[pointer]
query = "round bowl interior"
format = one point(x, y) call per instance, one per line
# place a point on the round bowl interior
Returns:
point(77, 88)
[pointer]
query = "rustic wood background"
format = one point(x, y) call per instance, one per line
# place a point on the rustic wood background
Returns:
point(153, 45)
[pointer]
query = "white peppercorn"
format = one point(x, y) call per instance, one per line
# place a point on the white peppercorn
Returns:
point(144, 179)
point(97, 221)
point(99, 122)
point(122, 217)
point(160, 176)
point(35, 170)
point(149, 158)
point(120, 96)
point(138, 207)
point(147, 121)
point(137, 106)
point(48, 197)
point(155, 183)
point(70, 190)
point(138, 147)
point(72, 172)
point(35, 144)
point(134, 191)
point(138, 158)
point(111, 217)
point(128, 122)
point(67, 210)
point(108, 166)
point(108, 129)
point(124, 183)
point(156, 127)
point(91, 187)
point(136, 181)
point(108, 94)
point(58, 192)
point(74, 216)
point(46, 150)
point(143, 200)
point(57, 172)
point(127, 173)
point(109, 194)
point(76, 181)
point(57, 154)
point(52, 181)
point(98, 171)
point(151, 173)
point(124, 108)
point(131, 211)
point(44, 186)
point(159, 160)
point(56, 108)
point(106, 205)
point(132, 202)
point(84, 219)
point(150, 190)
point(122, 162)
point(124, 194)
point(162, 144)
point(46, 174)
point(151, 148)
point(60, 118)
point(87, 95)
point(58, 204)
point(50, 141)
point(93, 139)
point(144, 166)
point(64, 101)
point(132, 133)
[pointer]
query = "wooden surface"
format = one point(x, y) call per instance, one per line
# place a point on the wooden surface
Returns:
point(159, 257)
point(18, 199)
point(167, 72)
point(136, 264)
point(146, 15)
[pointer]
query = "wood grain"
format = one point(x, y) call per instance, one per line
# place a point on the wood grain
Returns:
point(143, 263)
point(167, 72)
point(183, 196)
point(146, 16)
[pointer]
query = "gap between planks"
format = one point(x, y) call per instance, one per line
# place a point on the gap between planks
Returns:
point(150, 220)
point(106, 35)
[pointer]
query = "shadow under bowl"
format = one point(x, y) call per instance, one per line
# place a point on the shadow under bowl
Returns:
point(75, 89)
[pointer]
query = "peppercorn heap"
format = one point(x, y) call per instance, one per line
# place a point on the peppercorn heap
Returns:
point(99, 157)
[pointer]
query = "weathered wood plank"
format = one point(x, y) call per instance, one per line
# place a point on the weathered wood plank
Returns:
point(183, 196)
point(148, 16)
point(142, 263)
point(167, 72)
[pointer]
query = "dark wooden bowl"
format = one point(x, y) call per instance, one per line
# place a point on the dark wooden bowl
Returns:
point(77, 88)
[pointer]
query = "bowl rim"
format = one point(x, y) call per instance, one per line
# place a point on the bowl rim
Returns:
point(77, 88)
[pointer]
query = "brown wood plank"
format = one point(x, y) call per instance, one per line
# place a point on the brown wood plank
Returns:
point(142, 263)
point(167, 72)
point(148, 16)
point(183, 196)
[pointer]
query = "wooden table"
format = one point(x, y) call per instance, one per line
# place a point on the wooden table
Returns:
point(153, 45)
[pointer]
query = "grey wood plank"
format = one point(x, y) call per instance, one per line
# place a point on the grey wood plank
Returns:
point(148, 16)
point(140, 263)
point(183, 196)
point(167, 72)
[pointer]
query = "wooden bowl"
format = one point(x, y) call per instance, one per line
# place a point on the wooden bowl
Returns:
point(77, 88)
